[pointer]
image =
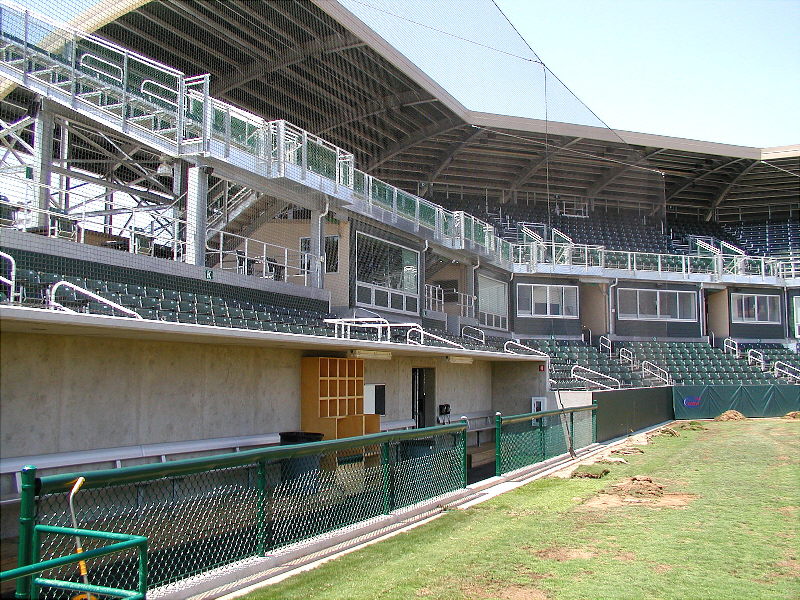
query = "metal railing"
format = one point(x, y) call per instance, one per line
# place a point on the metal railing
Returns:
point(52, 293)
point(11, 280)
point(605, 345)
point(756, 357)
point(626, 356)
point(731, 346)
point(423, 335)
point(782, 369)
point(510, 344)
point(527, 439)
point(650, 369)
point(577, 372)
point(246, 256)
point(198, 514)
point(465, 302)
point(29, 585)
point(473, 333)
point(434, 297)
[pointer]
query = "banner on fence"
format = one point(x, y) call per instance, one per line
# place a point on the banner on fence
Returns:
point(709, 401)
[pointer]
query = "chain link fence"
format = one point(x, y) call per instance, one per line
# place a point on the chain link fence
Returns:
point(200, 514)
point(524, 440)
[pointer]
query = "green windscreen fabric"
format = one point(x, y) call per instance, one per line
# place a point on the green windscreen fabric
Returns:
point(709, 401)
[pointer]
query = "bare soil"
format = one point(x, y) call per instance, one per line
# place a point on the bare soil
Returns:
point(795, 414)
point(561, 554)
point(730, 415)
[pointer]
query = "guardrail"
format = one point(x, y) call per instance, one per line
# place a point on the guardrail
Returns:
point(732, 346)
point(782, 369)
point(201, 513)
point(577, 373)
point(530, 438)
point(650, 369)
point(507, 347)
point(473, 333)
point(28, 585)
point(52, 293)
point(756, 357)
point(605, 345)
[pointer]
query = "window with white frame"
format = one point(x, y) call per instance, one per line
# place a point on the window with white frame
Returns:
point(555, 301)
point(656, 305)
point(755, 308)
point(492, 302)
point(331, 252)
point(386, 275)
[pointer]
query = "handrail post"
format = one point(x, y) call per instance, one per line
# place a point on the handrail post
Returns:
point(463, 437)
point(571, 440)
point(498, 444)
point(386, 476)
point(27, 518)
point(261, 483)
point(143, 568)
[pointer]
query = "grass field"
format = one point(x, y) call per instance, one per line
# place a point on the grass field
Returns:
point(726, 527)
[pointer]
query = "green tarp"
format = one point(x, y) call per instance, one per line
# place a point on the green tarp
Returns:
point(709, 401)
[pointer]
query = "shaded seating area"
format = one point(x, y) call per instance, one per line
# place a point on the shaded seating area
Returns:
point(781, 238)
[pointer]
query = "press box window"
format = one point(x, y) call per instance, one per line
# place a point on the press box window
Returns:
point(656, 305)
point(386, 275)
point(492, 302)
point(756, 308)
point(555, 301)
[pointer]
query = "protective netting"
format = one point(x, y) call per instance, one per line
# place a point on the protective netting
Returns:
point(198, 521)
point(529, 439)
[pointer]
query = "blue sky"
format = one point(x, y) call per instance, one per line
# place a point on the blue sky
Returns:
point(723, 71)
point(716, 70)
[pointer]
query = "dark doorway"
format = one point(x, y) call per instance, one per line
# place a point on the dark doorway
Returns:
point(423, 396)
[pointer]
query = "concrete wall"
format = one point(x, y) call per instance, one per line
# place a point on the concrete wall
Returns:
point(70, 393)
point(513, 384)
point(594, 307)
point(718, 313)
point(466, 388)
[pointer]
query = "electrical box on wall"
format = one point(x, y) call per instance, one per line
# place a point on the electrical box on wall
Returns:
point(537, 403)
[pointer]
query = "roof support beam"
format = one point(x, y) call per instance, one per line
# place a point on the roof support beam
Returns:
point(702, 175)
point(530, 171)
point(421, 135)
point(450, 153)
point(258, 69)
point(376, 107)
point(727, 189)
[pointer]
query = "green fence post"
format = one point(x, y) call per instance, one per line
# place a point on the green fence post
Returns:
point(498, 444)
point(386, 476)
point(261, 526)
point(571, 440)
point(464, 451)
point(36, 551)
point(27, 521)
point(542, 443)
point(594, 425)
point(143, 569)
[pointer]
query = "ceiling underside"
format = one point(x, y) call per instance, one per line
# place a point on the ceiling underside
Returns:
point(290, 60)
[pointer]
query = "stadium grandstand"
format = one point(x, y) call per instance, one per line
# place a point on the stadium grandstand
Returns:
point(225, 224)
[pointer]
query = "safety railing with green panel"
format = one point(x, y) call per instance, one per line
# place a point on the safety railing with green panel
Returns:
point(202, 513)
point(527, 439)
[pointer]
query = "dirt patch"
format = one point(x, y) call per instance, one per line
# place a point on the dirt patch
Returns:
point(560, 554)
point(792, 566)
point(668, 431)
point(691, 426)
point(590, 472)
point(663, 568)
point(640, 489)
point(627, 450)
point(730, 415)
point(625, 556)
point(639, 486)
point(788, 511)
point(795, 414)
point(494, 589)
point(521, 592)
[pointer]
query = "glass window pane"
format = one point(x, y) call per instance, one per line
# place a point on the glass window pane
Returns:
point(570, 302)
point(554, 298)
point(774, 308)
point(749, 308)
point(524, 295)
point(738, 307)
point(540, 300)
point(648, 304)
point(762, 309)
point(668, 305)
point(627, 304)
point(687, 304)
point(331, 253)
point(492, 296)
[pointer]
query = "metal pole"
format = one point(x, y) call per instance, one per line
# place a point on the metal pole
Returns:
point(464, 450)
point(27, 521)
point(386, 475)
point(262, 498)
point(498, 431)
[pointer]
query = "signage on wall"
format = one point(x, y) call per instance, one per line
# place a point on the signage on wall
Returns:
point(691, 401)
point(209, 274)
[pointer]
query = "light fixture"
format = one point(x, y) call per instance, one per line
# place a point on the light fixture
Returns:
point(370, 354)
point(164, 168)
point(459, 360)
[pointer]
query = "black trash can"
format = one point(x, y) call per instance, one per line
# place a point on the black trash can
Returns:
point(303, 468)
